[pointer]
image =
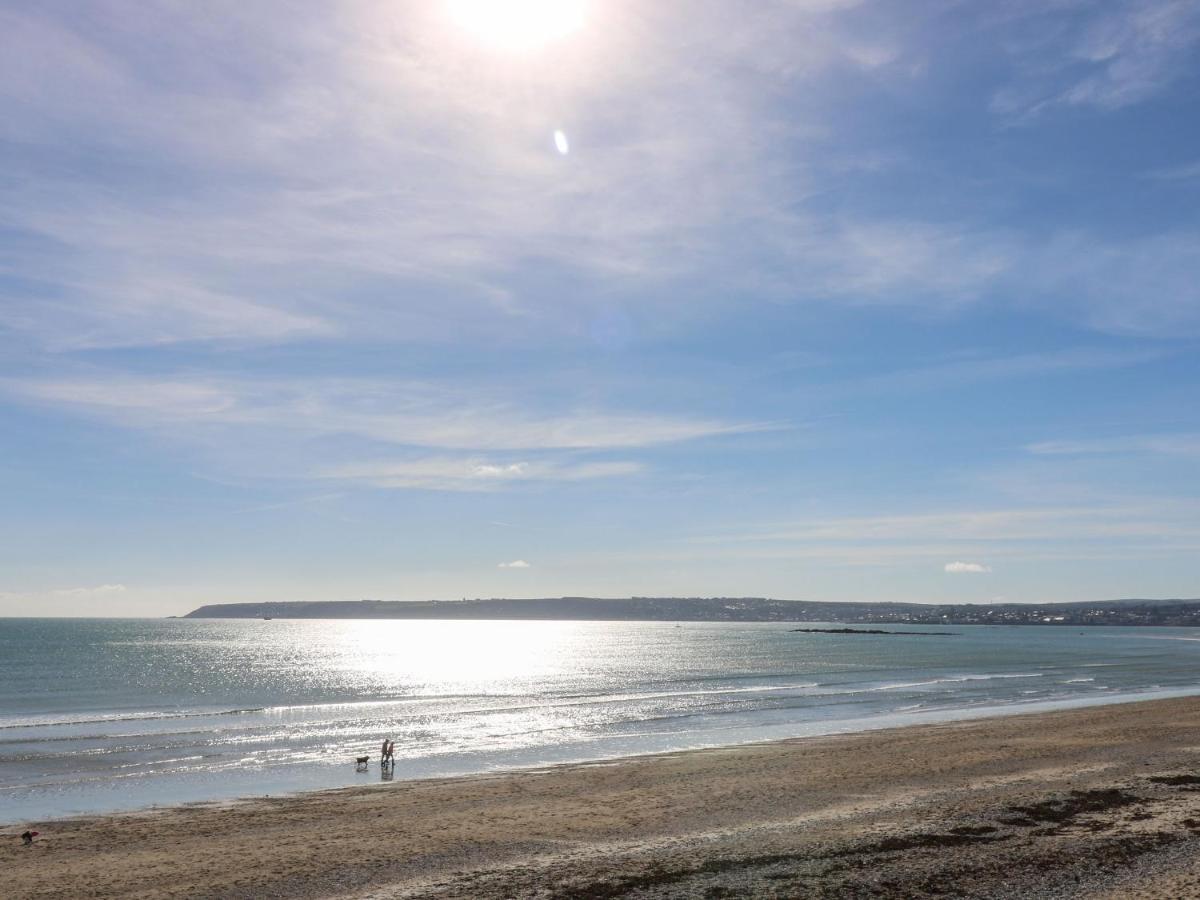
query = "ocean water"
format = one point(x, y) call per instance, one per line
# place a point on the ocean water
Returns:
point(100, 714)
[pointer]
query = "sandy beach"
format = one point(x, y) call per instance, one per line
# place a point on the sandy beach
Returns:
point(1096, 802)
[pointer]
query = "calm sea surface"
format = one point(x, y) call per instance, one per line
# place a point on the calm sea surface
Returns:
point(103, 714)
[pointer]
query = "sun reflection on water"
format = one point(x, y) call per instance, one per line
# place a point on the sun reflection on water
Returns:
point(445, 656)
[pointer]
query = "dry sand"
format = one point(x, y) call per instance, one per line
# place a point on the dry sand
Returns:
point(1098, 802)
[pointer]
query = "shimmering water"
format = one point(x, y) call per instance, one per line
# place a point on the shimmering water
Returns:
point(102, 714)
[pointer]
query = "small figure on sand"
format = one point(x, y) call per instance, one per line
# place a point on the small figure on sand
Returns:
point(385, 753)
point(28, 836)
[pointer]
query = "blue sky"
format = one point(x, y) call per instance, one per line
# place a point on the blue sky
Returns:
point(824, 300)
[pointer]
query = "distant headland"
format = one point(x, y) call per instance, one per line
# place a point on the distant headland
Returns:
point(724, 609)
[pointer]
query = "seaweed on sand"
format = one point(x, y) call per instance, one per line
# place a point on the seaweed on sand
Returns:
point(1060, 811)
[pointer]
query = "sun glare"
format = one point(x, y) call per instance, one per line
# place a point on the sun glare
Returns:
point(518, 25)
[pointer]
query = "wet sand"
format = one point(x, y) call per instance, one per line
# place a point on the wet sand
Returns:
point(1101, 802)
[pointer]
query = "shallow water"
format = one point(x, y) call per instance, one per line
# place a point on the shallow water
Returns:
point(101, 714)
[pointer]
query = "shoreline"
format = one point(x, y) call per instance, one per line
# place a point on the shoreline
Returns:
point(988, 796)
point(757, 736)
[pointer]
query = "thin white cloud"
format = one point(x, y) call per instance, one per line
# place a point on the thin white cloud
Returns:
point(1185, 445)
point(333, 430)
point(287, 504)
point(413, 202)
point(515, 564)
point(1063, 523)
point(966, 568)
point(1182, 173)
point(1148, 287)
point(409, 203)
point(1107, 57)
point(96, 590)
point(914, 558)
point(430, 169)
point(407, 414)
point(1153, 529)
point(84, 592)
point(454, 474)
point(1134, 52)
point(971, 369)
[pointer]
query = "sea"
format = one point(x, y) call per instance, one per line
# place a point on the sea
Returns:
point(100, 715)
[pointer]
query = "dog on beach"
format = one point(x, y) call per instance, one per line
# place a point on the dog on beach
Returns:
point(360, 763)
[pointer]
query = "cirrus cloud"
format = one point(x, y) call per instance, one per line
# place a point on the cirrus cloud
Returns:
point(457, 474)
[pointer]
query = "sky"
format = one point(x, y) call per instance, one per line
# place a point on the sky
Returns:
point(809, 299)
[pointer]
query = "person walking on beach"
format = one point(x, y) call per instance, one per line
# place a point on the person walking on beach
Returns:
point(383, 753)
point(391, 753)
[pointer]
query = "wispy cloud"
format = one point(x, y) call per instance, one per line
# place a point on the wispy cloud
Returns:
point(1108, 56)
point(966, 568)
point(86, 592)
point(373, 433)
point(409, 414)
point(515, 564)
point(1133, 52)
point(1141, 287)
point(920, 556)
point(976, 368)
point(400, 181)
point(1187, 172)
point(1146, 531)
point(1187, 445)
point(453, 474)
point(302, 249)
point(287, 504)
point(1063, 523)
point(97, 590)
point(434, 167)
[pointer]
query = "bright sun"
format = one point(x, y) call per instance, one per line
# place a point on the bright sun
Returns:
point(518, 25)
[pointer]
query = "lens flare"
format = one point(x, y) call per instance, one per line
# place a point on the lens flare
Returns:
point(560, 142)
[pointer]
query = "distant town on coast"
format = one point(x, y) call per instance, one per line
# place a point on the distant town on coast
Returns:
point(725, 609)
